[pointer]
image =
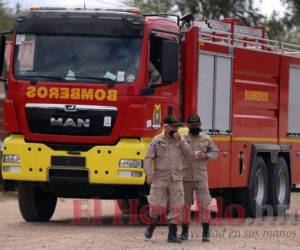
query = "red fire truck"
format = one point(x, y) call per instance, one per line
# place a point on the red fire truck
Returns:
point(82, 105)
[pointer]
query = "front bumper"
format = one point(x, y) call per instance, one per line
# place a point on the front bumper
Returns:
point(101, 162)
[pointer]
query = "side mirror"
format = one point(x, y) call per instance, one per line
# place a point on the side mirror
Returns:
point(169, 61)
point(2, 51)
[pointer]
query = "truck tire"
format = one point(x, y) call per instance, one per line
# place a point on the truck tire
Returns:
point(35, 205)
point(254, 198)
point(1, 178)
point(124, 206)
point(225, 203)
point(279, 187)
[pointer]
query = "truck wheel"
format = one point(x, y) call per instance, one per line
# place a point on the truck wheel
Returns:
point(35, 205)
point(254, 198)
point(124, 206)
point(226, 203)
point(1, 178)
point(279, 187)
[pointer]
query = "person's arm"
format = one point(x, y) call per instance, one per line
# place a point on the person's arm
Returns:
point(148, 161)
point(212, 150)
point(185, 147)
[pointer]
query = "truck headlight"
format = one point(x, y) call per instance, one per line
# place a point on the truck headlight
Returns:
point(11, 159)
point(131, 164)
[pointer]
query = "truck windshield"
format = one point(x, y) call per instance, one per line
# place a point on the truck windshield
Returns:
point(80, 58)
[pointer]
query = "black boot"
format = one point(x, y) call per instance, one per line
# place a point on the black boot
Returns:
point(185, 231)
point(205, 232)
point(172, 237)
point(150, 229)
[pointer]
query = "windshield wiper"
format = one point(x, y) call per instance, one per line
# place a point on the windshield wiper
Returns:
point(35, 77)
point(105, 79)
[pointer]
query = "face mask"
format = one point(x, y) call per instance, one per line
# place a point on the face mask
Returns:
point(195, 131)
point(172, 132)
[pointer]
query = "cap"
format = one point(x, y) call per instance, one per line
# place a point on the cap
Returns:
point(171, 120)
point(194, 119)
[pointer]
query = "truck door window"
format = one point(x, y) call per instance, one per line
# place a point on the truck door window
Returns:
point(154, 66)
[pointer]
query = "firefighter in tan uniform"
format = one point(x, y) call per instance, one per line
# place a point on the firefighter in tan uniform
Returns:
point(167, 151)
point(195, 174)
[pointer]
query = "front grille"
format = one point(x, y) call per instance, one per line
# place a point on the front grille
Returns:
point(61, 119)
point(68, 175)
point(71, 161)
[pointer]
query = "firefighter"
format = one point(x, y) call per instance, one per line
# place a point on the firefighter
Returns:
point(195, 174)
point(167, 151)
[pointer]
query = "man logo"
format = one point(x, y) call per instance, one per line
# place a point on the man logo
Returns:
point(70, 108)
point(69, 122)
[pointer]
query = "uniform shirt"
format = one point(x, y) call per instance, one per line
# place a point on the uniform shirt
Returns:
point(195, 169)
point(168, 155)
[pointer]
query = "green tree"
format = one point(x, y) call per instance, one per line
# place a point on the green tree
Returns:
point(292, 20)
point(285, 28)
point(152, 6)
point(6, 17)
point(292, 14)
point(275, 27)
point(243, 9)
point(188, 6)
point(213, 9)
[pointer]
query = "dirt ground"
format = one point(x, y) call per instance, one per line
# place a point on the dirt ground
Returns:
point(101, 226)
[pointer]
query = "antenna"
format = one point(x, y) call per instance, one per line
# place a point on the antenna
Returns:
point(84, 5)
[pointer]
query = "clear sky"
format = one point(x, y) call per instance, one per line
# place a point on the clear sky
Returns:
point(266, 6)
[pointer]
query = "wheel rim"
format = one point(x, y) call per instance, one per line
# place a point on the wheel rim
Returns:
point(259, 187)
point(282, 186)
